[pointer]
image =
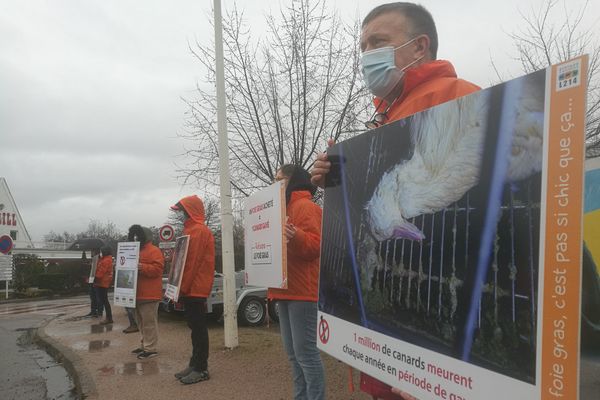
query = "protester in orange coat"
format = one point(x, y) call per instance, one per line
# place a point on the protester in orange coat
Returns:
point(298, 303)
point(399, 49)
point(149, 290)
point(196, 285)
point(102, 281)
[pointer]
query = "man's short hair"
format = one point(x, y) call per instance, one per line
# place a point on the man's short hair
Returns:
point(420, 19)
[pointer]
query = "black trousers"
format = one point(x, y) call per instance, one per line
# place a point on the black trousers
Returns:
point(102, 297)
point(95, 307)
point(195, 315)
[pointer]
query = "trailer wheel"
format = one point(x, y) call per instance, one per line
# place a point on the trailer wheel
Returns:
point(217, 312)
point(274, 310)
point(252, 311)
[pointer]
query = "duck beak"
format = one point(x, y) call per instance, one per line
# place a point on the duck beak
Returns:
point(406, 230)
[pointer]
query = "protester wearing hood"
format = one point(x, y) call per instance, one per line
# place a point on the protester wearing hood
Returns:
point(102, 280)
point(149, 290)
point(196, 285)
point(298, 303)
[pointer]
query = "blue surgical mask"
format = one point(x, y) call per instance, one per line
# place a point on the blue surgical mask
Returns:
point(379, 69)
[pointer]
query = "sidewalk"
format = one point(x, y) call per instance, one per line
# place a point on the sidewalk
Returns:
point(257, 369)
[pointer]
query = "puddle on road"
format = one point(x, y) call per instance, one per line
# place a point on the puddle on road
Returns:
point(97, 345)
point(70, 330)
point(75, 319)
point(93, 346)
point(101, 328)
point(150, 367)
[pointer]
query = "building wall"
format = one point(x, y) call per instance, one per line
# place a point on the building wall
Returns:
point(11, 223)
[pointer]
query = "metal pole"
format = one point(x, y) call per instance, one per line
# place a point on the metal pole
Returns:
point(229, 300)
point(6, 293)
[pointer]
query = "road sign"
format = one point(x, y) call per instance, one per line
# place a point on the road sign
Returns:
point(166, 233)
point(6, 244)
point(6, 268)
point(6, 271)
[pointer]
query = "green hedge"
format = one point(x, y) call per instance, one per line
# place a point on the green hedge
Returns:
point(57, 282)
point(75, 273)
point(57, 276)
point(27, 269)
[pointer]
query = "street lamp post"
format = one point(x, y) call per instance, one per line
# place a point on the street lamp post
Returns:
point(229, 300)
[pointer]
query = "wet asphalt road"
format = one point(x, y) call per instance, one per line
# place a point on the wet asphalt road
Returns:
point(26, 371)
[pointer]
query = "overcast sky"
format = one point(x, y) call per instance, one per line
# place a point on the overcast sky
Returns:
point(90, 96)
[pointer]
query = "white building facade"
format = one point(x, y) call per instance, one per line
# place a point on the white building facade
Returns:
point(11, 223)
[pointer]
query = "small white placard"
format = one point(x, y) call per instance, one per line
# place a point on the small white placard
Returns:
point(128, 255)
point(265, 247)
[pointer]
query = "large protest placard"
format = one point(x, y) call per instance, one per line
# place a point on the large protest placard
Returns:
point(177, 267)
point(126, 273)
point(265, 246)
point(92, 276)
point(451, 246)
point(590, 286)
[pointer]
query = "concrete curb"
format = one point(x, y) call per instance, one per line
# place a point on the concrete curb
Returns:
point(84, 383)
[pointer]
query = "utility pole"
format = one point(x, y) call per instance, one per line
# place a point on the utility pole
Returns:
point(229, 300)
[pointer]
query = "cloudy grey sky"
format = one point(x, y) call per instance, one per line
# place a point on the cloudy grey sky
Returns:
point(90, 95)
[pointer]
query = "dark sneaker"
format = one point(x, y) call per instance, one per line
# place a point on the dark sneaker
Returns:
point(184, 372)
point(137, 351)
point(195, 377)
point(106, 322)
point(146, 354)
point(89, 315)
point(131, 329)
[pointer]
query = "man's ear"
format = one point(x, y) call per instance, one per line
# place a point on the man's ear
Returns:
point(422, 51)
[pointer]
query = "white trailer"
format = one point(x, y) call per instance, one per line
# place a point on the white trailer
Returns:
point(252, 307)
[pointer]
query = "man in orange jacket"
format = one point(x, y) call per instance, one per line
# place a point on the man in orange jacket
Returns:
point(399, 63)
point(400, 66)
point(196, 285)
point(149, 290)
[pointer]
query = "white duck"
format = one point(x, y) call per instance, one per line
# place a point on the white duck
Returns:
point(448, 142)
point(527, 142)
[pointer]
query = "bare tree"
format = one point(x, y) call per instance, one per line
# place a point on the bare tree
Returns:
point(64, 237)
point(286, 94)
point(542, 42)
point(96, 229)
point(107, 231)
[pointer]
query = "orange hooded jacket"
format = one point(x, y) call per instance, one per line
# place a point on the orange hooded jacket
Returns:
point(199, 270)
point(104, 272)
point(303, 250)
point(425, 86)
point(151, 265)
